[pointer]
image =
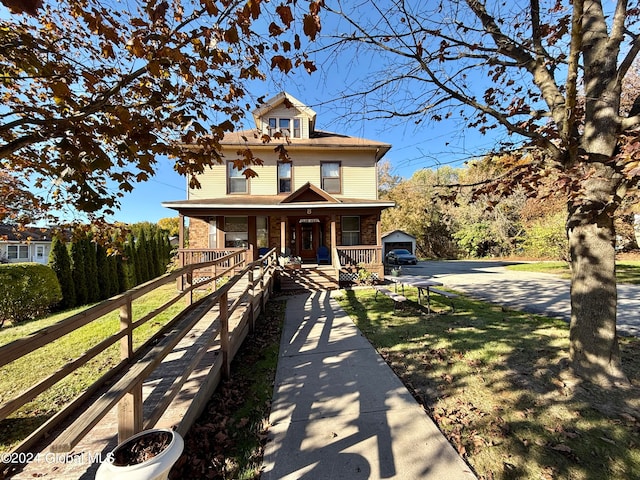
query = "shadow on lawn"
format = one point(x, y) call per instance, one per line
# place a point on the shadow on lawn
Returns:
point(496, 383)
point(14, 430)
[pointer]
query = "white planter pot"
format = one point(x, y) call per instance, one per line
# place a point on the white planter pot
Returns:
point(156, 468)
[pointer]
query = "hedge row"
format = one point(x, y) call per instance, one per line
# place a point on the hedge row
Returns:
point(29, 290)
point(88, 274)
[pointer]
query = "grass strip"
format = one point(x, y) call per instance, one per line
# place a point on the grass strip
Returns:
point(496, 384)
point(627, 271)
point(19, 375)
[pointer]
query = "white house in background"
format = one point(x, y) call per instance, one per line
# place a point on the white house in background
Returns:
point(32, 244)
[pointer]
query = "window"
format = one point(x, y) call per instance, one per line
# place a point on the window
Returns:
point(18, 252)
point(284, 177)
point(297, 131)
point(350, 230)
point(331, 177)
point(237, 181)
point(284, 126)
point(262, 231)
point(236, 232)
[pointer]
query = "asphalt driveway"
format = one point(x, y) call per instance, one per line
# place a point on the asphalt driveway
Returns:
point(540, 293)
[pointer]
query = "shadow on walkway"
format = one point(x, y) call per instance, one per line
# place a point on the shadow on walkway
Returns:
point(339, 412)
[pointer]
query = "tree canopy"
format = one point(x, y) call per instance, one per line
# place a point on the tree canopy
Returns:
point(95, 93)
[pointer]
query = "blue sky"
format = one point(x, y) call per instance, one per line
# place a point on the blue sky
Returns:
point(429, 147)
point(414, 147)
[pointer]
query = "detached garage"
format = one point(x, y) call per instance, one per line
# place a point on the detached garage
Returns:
point(398, 239)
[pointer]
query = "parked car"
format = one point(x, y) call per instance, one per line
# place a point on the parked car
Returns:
point(400, 256)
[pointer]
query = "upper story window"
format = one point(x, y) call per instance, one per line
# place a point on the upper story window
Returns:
point(289, 127)
point(236, 181)
point(284, 177)
point(330, 173)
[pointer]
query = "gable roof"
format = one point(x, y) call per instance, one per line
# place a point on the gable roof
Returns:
point(291, 101)
point(400, 232)
point(309, 193)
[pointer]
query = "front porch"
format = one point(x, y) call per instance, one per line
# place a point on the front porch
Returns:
point(347, 263)
point(330, 240)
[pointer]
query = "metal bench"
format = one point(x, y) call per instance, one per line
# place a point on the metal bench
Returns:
point(442, 293)
point(397, 298)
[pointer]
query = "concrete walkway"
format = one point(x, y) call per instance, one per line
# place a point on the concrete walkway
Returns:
point(339, 412)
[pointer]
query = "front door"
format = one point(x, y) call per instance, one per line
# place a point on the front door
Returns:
point(308, 240)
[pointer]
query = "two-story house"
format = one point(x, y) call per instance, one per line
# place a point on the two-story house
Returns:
point(326, 196)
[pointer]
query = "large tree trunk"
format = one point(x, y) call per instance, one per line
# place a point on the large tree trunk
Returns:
point(594, 350)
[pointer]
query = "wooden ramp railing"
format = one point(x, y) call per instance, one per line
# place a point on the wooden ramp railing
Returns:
point(236, 304)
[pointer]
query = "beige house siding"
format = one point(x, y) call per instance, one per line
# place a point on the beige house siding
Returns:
point(266, 183)
point(213, 184)
point(359, 179)
point(358, 174)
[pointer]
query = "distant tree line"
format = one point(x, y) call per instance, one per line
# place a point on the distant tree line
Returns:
point(89, 271)
point(484, 223)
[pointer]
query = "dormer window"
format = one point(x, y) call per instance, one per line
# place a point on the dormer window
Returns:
point(288, 127)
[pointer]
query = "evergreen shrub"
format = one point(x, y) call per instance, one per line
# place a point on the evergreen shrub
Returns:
point(29, 290)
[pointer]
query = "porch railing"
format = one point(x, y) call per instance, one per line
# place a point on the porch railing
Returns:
point(188, 256)
point(354, 255)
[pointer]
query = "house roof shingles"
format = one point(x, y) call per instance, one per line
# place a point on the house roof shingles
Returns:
point(14, 233)
point(319, 139)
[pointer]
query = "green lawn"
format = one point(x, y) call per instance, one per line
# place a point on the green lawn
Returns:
point(494, 382)
point(28, 370)
point(627, 271)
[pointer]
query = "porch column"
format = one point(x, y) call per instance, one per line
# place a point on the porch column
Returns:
point(181, 238)
point(334, 233)
point(181, 254)
point(334, 243)
point(283, 235)
point(379, 239)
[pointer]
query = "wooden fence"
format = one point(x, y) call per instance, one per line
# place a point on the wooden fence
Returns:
point(251, 284)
